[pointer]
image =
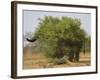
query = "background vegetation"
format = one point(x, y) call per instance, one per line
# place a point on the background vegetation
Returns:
point(60, 39)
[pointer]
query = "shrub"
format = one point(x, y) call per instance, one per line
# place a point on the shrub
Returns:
point(56, 35)
point(59, 61)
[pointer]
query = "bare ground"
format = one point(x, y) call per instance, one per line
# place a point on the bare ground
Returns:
point(37, 60)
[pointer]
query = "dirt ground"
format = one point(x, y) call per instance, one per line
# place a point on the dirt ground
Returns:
point(37, 60)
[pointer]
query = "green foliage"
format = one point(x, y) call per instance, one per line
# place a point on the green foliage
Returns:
point(56, 35)
point(58, 61)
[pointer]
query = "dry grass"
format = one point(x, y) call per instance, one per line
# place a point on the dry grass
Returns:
point(37, 60)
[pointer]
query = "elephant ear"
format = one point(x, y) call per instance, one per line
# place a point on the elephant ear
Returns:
point(31, 40)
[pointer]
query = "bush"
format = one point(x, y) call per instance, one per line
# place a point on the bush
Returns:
point(56, 35)
point(58, 61)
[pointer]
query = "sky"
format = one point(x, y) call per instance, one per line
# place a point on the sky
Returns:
point(31, 19)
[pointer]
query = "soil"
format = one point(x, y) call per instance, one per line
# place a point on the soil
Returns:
point(37, 60)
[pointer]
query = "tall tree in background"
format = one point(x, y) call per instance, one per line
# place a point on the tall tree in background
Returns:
point(60, 36)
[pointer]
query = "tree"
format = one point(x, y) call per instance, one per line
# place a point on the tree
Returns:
point(60, 37)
